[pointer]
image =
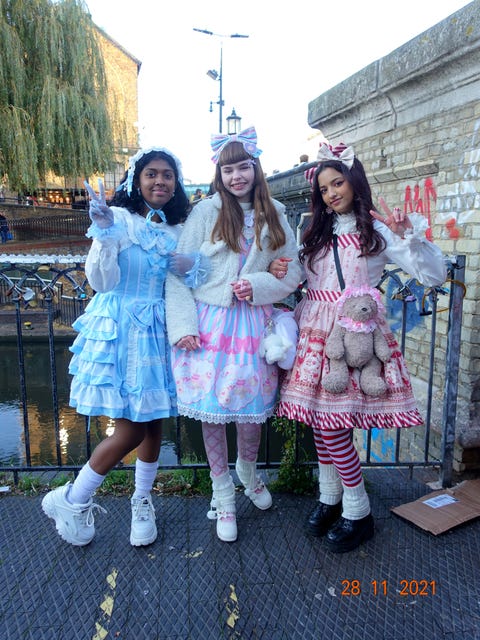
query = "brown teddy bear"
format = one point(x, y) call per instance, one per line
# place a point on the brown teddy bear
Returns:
point(357, 342)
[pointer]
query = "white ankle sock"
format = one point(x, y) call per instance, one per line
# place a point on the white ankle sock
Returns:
point(85, 485)
point(145, 474)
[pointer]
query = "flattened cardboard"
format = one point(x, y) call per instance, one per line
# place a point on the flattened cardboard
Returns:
point(440, 511)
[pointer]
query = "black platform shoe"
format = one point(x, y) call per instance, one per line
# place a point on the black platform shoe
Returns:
point(346, 535)
point(322, 518)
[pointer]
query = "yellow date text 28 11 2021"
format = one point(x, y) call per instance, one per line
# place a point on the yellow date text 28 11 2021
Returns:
point(406, 588)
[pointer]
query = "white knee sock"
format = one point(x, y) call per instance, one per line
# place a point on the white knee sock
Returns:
point(329, 483)
point(355, 502)
point(85, 485)
point(145, 474)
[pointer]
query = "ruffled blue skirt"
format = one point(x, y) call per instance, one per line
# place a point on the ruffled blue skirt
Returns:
point(121, 364)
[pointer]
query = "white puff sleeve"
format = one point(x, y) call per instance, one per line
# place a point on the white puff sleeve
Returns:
point(416, 255)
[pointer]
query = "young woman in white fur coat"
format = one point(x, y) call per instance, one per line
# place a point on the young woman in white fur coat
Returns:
point(216, 328)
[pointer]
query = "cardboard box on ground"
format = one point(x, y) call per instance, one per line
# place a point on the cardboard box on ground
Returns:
point(442, 510)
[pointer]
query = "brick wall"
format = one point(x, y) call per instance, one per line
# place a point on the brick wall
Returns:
point(413, 118)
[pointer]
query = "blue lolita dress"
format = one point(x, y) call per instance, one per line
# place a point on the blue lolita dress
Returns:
point(227, 380)
point(121, 364)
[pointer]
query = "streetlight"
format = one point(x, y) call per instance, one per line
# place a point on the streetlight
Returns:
point(211, 73)
point(233, 123)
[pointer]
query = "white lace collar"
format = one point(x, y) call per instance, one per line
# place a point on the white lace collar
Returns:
point(344, 223)
point(248, 214)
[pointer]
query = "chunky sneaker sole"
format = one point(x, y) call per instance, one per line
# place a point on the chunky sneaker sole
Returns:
point(74, 522)
point(143, 527)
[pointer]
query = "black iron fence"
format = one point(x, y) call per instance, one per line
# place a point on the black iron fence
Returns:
point(46, 227)
point(60, 293)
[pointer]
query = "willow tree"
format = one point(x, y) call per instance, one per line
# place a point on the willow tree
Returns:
point(53, 93)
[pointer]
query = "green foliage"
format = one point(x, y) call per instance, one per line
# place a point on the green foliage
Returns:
point(118, 482)
point(29, 484)
point(292, 476)
point(185, 481)
point(53, 93)
point(59, 481)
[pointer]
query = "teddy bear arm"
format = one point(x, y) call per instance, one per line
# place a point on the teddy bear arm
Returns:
point(380, 345)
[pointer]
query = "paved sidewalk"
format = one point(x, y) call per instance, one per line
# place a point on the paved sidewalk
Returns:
point(274, 583)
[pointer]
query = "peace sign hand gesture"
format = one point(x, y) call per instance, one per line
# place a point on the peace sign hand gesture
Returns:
point(397, 221)
point(99, 212)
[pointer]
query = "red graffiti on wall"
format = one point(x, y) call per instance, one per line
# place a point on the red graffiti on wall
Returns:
point(421, 204)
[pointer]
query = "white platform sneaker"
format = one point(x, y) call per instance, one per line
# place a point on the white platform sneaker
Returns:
point(75, 523)
point(143, 527)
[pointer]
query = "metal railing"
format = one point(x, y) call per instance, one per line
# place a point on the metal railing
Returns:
point(62, 292)
point(46, 227)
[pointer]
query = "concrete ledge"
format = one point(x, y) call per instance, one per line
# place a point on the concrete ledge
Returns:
point(35, 317)
point(418, 78)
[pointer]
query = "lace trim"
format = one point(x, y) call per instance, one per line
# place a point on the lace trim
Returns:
point(215, 418)
point(345, 223)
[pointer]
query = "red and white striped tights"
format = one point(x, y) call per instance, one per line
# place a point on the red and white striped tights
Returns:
point(336, 447)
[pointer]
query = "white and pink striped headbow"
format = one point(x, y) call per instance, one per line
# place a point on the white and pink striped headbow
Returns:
point(340, 153)
point(248, 137)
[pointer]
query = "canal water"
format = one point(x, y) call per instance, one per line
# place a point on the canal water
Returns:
point(72, 426)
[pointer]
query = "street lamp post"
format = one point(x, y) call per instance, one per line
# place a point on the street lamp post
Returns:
point(233, 123)
point(211, 73)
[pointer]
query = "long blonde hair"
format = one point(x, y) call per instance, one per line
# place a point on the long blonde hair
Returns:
point(229, 224)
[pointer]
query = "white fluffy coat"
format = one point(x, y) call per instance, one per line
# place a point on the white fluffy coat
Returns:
point(181, 310)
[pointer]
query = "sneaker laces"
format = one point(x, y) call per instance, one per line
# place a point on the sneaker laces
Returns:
point(142, 509)
point(86, 516)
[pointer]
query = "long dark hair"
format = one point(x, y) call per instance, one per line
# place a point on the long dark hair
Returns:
point(319, 233)
point(176, 209)
point(229, 224)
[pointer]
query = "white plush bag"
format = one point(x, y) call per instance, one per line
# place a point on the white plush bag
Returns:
point(279, 343)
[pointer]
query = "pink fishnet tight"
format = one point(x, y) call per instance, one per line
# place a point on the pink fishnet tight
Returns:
point(215, 441)
point(248, 440)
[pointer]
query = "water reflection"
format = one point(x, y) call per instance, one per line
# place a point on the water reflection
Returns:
point(72, 426)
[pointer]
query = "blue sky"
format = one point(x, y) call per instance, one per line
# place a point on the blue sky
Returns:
point(294, 53)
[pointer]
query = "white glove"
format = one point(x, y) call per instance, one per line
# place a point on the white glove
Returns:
point(98, 211)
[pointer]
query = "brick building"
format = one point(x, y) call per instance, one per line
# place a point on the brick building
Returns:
point(121, 71)
point(413, 118)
